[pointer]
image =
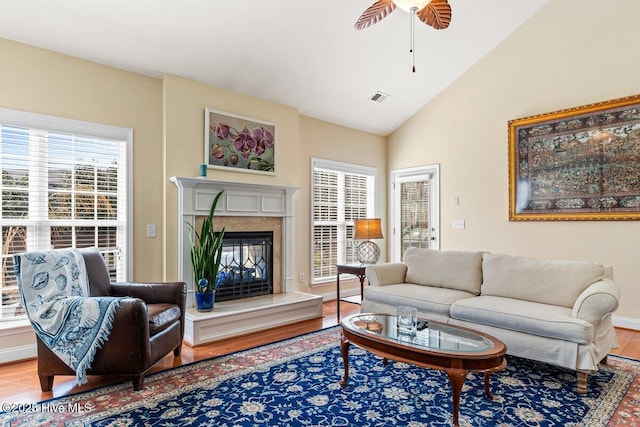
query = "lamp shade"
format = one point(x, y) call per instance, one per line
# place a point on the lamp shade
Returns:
point(366, 229)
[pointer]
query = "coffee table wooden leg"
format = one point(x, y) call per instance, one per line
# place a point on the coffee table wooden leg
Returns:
point(456, 376)
point(344, 346)
point(487, 390)
point(487, 376)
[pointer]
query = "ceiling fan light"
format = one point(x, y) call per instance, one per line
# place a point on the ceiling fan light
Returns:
point(407, 5)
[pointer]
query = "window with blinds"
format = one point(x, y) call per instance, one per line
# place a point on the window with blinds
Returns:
point(341, 193)
point(60, 189)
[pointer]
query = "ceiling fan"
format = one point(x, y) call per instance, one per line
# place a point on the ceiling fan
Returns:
point(435, 13)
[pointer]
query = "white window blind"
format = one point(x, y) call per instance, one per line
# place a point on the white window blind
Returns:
point(341, 193)
point(415, 222)
point(61, 189)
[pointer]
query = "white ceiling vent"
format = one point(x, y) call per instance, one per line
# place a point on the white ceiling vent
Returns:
point(379, 97)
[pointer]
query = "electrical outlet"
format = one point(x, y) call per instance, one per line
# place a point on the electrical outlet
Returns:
point(151, 230)
point(458, 223)
point(301, 278)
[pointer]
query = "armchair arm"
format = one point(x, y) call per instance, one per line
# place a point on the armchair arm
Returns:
point(128, 348)
point(597, 301)
point(154, 292)
point(386, 274)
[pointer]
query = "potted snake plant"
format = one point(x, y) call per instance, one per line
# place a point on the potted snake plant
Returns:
point(206, 254)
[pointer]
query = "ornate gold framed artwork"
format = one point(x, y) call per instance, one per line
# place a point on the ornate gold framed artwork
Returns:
point(581, 163)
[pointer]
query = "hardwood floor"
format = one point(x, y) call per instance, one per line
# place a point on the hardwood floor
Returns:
point(19, 381)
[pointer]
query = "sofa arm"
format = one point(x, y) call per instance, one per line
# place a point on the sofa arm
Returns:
point(153, 293)
point(386, 274)
point(597, 301)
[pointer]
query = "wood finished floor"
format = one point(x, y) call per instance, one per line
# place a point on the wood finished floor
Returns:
point(19, 381)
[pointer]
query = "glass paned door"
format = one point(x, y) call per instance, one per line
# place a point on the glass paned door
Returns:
point(415, 209)
point(415, 221)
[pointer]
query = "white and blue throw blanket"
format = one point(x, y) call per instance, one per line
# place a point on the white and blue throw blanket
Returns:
point(55, 292)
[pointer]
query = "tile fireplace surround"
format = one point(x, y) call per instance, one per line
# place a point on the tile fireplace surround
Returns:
point(257, 203)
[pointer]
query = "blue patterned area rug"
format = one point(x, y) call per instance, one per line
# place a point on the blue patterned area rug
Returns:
point(296, 382)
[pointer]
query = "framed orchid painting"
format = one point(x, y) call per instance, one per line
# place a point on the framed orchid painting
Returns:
point(238, 143)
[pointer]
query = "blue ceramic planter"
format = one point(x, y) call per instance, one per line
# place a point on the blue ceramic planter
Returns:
point(204, 302)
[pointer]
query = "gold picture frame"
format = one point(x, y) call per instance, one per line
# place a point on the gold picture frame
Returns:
point(581, 163)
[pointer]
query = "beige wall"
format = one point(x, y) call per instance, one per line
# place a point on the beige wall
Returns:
point(573, 52)
point(328, 141)
point(44, 82)
point(167, 117)
point(183, 108)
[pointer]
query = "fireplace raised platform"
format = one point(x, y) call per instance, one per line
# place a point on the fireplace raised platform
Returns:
point(244, 316)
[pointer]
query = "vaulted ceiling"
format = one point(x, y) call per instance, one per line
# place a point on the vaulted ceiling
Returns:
point(302, 53)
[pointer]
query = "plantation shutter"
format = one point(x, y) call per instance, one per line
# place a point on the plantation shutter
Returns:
point(325, 222)
point(61, 189)
point(341, 194)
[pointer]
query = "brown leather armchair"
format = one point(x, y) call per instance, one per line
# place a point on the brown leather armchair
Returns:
point(147, 325)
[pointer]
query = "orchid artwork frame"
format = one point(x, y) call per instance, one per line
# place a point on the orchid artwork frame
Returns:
point(238, 143)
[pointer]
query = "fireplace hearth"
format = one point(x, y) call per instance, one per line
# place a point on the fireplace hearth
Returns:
point(246, 268)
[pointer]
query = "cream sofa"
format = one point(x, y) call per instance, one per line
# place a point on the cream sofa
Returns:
point(557, 312)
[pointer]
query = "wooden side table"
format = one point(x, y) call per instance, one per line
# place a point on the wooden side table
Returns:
point(356, 270)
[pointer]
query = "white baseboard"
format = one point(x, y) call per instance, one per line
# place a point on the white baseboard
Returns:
point(331, 296)
point(626, 322)
point(17, 341)
point(14, 354)
point(329, 292)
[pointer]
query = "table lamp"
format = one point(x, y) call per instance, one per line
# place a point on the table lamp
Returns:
point(367, 252)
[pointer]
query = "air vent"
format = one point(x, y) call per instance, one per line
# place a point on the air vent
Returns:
point(379, 97)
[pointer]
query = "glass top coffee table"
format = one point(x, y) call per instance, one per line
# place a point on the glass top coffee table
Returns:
point(435, 345)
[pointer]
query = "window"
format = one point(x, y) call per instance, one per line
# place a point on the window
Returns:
point(341, 193)
point(64, 184)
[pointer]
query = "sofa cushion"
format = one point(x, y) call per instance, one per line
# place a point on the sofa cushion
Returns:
point(426, 299)
point(544, 320)
point(548, 282)
point(459, 270)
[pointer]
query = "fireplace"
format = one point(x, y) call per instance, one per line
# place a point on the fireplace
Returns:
point(244, 207)
point(246, 267)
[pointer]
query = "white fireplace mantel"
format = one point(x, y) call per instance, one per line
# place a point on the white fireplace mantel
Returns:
point(195, 196)
point(238, 317)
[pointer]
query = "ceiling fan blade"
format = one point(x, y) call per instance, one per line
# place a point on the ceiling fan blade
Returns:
point(374, 14)
point(436, 14)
